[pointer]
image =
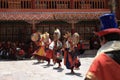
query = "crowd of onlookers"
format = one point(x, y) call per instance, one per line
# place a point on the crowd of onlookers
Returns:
point(21, 50)
point(16, 50)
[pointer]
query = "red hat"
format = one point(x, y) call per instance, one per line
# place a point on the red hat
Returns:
point(109, 25)
point(108, 31)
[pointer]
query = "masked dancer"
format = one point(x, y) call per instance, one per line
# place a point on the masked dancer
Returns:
point(38, 40)
point(71, 59)
point(55, 47)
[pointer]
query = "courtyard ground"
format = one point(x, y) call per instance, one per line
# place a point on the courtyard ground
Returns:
point(29, 70)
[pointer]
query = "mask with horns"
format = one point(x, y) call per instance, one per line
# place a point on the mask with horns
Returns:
point(57, 34)
point(36, 36)
point(75, 38)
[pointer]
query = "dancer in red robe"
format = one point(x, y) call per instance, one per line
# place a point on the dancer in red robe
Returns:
point(55, 47)
point(49, 53)
point(71, 51)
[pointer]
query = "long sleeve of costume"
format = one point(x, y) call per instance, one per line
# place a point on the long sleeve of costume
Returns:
point(104, 68)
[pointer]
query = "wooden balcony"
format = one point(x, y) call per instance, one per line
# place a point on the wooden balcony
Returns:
point(53, 4)
point(52, 9)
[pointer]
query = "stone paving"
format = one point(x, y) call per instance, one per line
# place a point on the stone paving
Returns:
point(28, 70)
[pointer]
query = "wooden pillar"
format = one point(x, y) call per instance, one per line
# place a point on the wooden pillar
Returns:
point(113, 6)
point(72, 22)
point(33, 27)
point(33, 4)
point(73, 28)
point(33, 23)
point(71, 4)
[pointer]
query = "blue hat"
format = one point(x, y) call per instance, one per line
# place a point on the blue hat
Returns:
point(108, 25)
point(108, 21)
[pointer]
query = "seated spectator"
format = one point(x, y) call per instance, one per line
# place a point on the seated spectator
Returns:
point(20, 53)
